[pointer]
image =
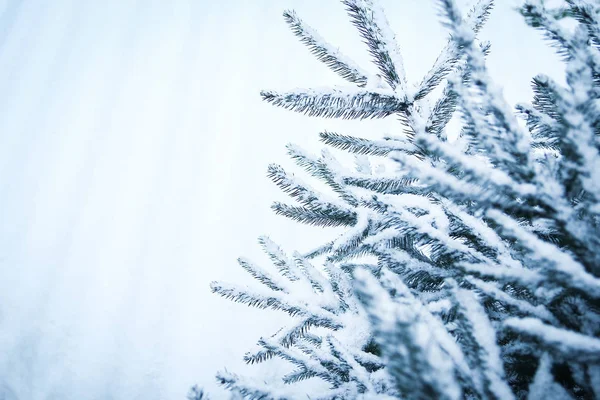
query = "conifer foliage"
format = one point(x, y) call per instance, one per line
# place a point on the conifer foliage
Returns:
point(485, 282)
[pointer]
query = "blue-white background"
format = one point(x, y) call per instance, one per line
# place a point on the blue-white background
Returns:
point(133, 151)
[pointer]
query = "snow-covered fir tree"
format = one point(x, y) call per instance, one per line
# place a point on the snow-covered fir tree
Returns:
point(485, 280)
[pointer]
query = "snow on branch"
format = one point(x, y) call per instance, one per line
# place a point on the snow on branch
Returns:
point(386, 185)
point(491, 290)
point(567, 344)
point(262, 276)
point(369, 18)
point(423, 358)
point(250, 388)
point(452, 53)
point(325, 168)
point(282, 262)
point(286, 337)
point(365, 146)
point(325, 52)
point(315, 217)
point(544, 385)
point(588, 14)
point(275, 302)
point(338, 103)
point(490, 367)
point(486, 106)
point(304, 194)
point(559, 265)
point(476, 167)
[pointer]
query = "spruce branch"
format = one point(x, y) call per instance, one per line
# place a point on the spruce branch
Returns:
point(387, 185)
point(305, 195)
point(424, 361)
point(325, 52)
point(370, 20)
point(338, 103)
point(563, 343)
point(321, 218)
point(365, 146)
point(282, 262)
point(261, 275)
point(478, 330)
point(452, 53)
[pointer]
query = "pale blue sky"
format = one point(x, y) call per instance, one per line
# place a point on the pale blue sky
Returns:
point(133, 151)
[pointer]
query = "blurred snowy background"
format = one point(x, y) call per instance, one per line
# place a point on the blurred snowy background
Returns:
point(133, 151)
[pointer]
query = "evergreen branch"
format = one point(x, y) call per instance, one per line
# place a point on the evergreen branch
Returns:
point(476, 168)
point(303, 361)
point(520, 276)
point(482, 337)
point(421, 360)
point(358, 250)
point(452, 53)
point(256, 300)
point(356, 372)
point(321, 316)
point(325, 168)
point(339, 285)
point(308, 197)
point(511, 149)
point(478, 15)
point(416, 271)
point(559, 265)
point(319, 251)
point(316, 278)
point(325, 52)
point(545, 94)
point(259, 356)
point(567, 344)
point(365, 146)
point(309, 162)
point(351, 267)
point(249, 389)
point(298, 375)
point(374, 28)
point(442, 111)
point(386, 185)
point(543, 128)
point(536, 17)
point(444, 248)
point(446, 104)
point(352, 238)
point(260, 275)
point(338, 103)
point(195, 393)
point(505, 213)
point(313, 340)
point(578, 143)
point(481, 235)
point(284, 264)
point(368, 360)
point(292, 185)
point(314, 217)
point(492, 291)
point(286, 338)
point(544, 385)
point(331, 171)
point(587, 15)
point(468, 187)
